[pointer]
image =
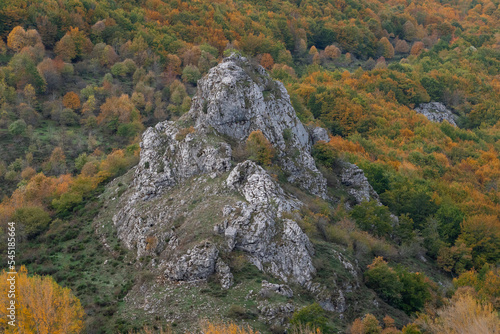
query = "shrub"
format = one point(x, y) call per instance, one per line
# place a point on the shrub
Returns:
point(181, 135)
point(310, 316)
point(372, 217)
point(384, 281)
point(260, 148)
point(33, 218)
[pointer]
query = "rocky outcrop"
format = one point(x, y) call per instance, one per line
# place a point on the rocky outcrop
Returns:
point(171, 154)
point(233, 99)
point(252, 226)
point(197, 263)
point(436, 112)
point(191, 205)
point(236, 98)
point(356, 183)
point(280, 289)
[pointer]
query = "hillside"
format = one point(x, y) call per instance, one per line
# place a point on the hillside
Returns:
point(271, 163)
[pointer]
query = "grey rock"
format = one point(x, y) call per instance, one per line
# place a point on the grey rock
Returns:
point(236, 98)
point(283, 250)
point(357, 184)
point(319, 134)
point(274, 314)
point(281, 289)
point(436, 112)
point(185, 192)
point(165, 161)
point(198, 263)
point(224, 274)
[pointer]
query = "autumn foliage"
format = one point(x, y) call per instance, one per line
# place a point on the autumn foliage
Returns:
point(42, 306)
point(259, 148)
point(71, 100)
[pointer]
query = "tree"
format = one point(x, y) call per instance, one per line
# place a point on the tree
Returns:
point(409, 31)
point(455, 259)
point(117, 110)
point(66, 48)
point(415, 291)
point(17, 128)
point(267, 61)
point(42, 306)
point(74, 44)
point(402, 46)
point(71, 100)
point(417, 48)
point(56, 163)
point(387, 48)
point(372, 217)
point(384, 281)
point(368, 325)
point(191, 74)
point(33, 220)
point(260, 148)
point(51, 72)
point(19, 38)
point(29, 94)
point(312, 316)
point(481, 233)
point(332, 52)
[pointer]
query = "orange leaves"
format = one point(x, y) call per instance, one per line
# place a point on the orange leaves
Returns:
point(73, 44)
point(417, 48)
point(344, 145)
point(120, 108)
point(42, 305)
point(71, 100)
point(19, 38)
point(267, 61)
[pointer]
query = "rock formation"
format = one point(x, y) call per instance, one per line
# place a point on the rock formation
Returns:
point(436, 112)
point(190, 203)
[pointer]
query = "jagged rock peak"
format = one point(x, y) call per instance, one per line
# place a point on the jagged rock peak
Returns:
point(436, 112)
point(233, 99)
point(237, 97)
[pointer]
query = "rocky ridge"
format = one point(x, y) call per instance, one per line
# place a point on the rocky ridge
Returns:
point(191, 205)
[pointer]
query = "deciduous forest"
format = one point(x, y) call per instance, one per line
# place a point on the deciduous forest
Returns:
point(80, 80)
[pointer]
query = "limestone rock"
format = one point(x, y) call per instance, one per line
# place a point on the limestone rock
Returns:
point(198, 263)
point(281, 289)
point(318, 133)
point(236, 98)
point(167, 158)
point(188, 187)
point(252, 226)
point(357, 184)
point(436, 112)
point(224, 274)
point(276, 315)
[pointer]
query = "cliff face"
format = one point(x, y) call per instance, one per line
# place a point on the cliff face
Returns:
point(192, 203)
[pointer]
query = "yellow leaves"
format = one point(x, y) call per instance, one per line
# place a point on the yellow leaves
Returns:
point(260, 148)
point(120, 108)
point(221, 328)
point(464, 314)
point(43, 307)
point(406, 133)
